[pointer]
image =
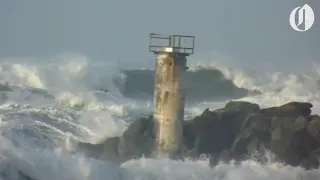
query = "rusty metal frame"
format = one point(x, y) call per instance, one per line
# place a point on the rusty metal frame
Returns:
point(172, 39)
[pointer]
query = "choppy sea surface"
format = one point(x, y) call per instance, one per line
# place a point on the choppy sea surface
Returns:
point(48, 104)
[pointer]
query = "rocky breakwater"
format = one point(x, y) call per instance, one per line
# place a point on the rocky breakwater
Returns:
point(238, 131)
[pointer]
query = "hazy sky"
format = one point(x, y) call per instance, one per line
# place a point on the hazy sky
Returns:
point(249, 30)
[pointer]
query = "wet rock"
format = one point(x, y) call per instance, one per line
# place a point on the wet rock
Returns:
point(224, 156)
point(286, 131)
point(312, 161)
point(290, 141)
point(134, 143)
point(291, 109)
point(137, 140)
point(314, 127)
point(242, 106)
point(110, 150)
point(238, 131)
point(215, 131)
point(209, 133)
point(254, 135)
point(256, 121)
point(236, 112)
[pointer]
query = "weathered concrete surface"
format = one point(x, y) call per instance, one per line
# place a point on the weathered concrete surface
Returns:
point(168, 100)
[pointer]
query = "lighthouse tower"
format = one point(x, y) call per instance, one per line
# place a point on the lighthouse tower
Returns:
point(169, 95)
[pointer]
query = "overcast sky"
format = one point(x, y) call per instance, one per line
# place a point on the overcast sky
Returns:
point(114, 30)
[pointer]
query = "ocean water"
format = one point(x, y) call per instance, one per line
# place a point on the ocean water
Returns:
point(47, 104)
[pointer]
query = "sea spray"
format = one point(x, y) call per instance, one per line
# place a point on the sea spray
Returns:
point(37, 138)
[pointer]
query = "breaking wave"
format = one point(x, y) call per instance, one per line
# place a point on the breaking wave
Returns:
point(201, 84)
point(47, 104)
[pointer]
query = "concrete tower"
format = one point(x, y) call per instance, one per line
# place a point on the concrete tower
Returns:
point(169, 95)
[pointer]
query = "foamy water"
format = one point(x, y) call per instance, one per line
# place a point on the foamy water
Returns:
point(56, 101)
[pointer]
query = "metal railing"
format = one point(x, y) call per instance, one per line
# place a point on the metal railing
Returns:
point(171, 43)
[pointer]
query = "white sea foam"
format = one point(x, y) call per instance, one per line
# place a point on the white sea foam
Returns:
point(55, 101)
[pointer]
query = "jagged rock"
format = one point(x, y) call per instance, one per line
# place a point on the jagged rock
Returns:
point(110, 152)
point(137, 140)
point(215, 131)
point(256, 121)
point(291, 109)
point(255, 133)
point(290, 141)
point(251, 144)
point(246, 107)
point(237, 131)
point(209, 133)
point(236, 112)
point(225, 156)
point(314, 127)
point(312, 161)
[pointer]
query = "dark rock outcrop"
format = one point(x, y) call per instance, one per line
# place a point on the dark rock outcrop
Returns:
point(137, 140)
point(292, 109)
point(239, 130)
point(290, 141)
